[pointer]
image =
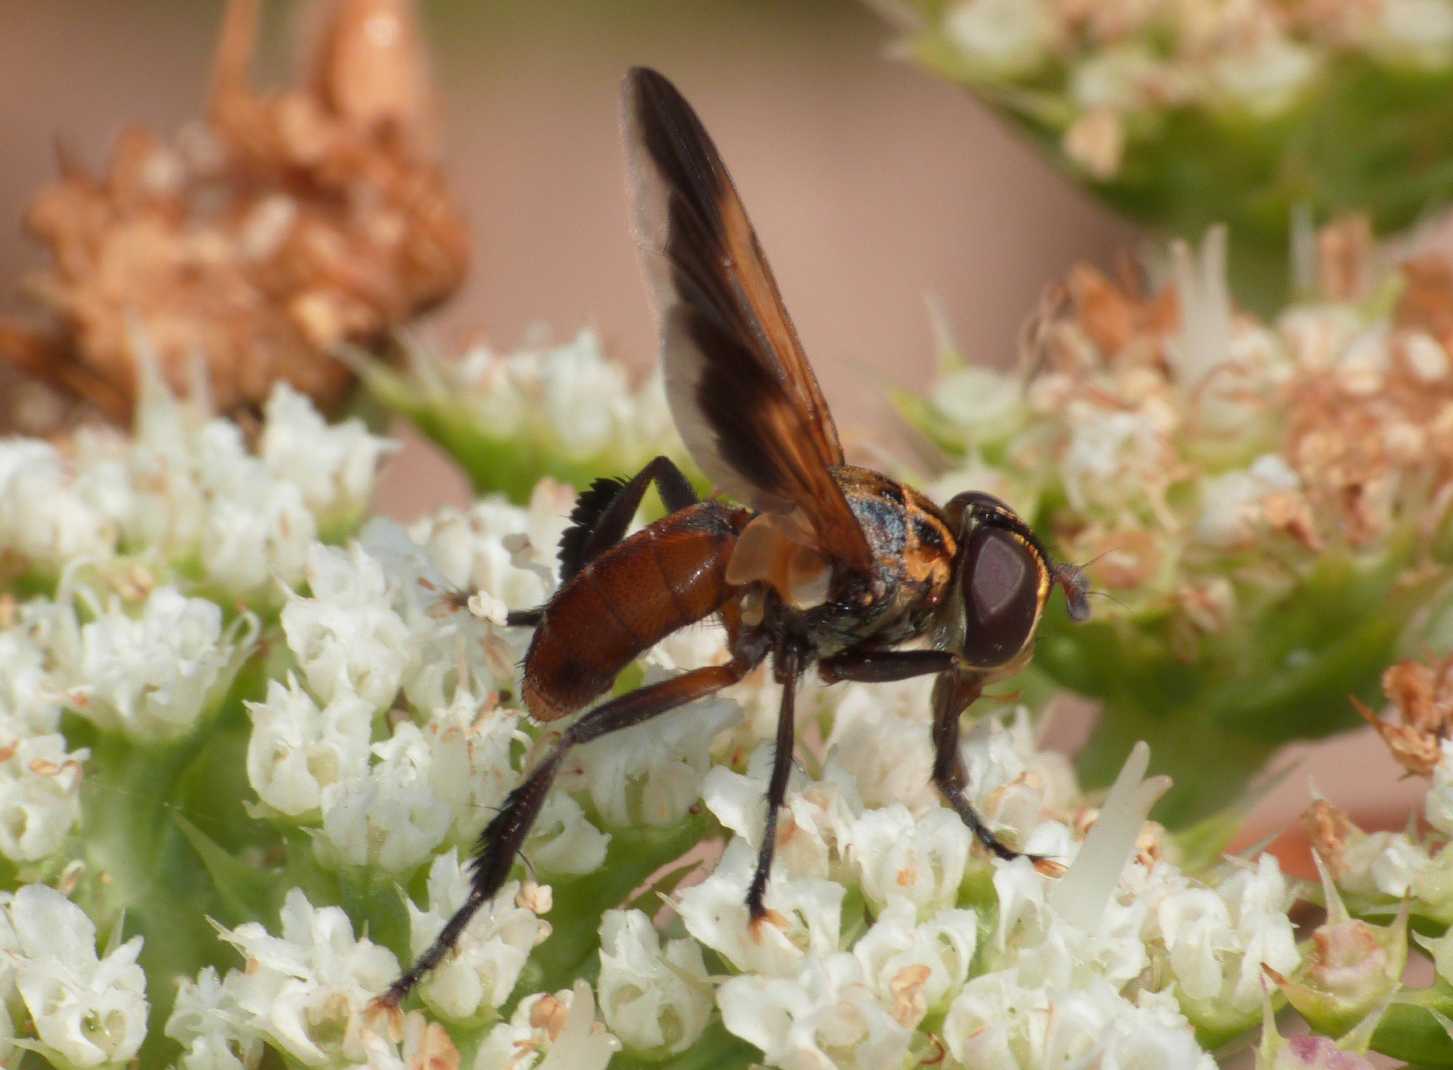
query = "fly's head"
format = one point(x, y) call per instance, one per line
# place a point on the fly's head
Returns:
point(1004, 579)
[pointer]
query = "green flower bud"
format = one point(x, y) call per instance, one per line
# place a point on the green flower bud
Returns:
point(1351, 968)
point(1308, 1051)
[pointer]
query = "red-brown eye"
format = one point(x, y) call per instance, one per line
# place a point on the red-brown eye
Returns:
point(1003, 591)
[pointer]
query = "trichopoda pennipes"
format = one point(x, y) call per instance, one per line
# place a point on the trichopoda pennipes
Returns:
point(829, 565)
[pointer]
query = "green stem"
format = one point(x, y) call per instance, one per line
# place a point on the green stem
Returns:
point(633, 856)
point(715, 1049)
point(141, 867)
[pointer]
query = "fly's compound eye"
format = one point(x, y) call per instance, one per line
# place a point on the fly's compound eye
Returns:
point(1004, 588)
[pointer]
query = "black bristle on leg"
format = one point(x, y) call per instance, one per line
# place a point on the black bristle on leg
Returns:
point(604, 510)
point(506, 832)
point(592, 503)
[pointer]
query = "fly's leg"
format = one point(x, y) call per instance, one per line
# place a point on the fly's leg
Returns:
point(601, 515)
point(953, 693)
point(604, 511)
point(882, 666)
point(505, 834)
point(789, 666)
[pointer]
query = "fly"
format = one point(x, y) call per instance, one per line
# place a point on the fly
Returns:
point(825, 566)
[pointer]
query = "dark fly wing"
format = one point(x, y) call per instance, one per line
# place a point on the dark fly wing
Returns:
point(741, 391)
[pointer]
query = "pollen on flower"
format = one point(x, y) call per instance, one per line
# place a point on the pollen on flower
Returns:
point(549, 1030)
point(907, 988)
point(1327, 828)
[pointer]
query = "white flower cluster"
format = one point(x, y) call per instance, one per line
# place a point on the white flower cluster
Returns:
point(1122, 61)
point(119, 530)
point(872, 927)
point(151, 675)
point(381, 643)
point(568, 399)
point(1386, 868)
point(303, 993)
point(572, 396)
point(398, 734)
point(883, 917)
point(390, 729)
point(308, 992)
point(184, 491)
point(147, 672)
point(1181, 433)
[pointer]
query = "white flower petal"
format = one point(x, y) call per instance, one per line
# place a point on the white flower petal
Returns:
point(656, 1000)
point(87, 1011)
point(825, 1017)
point(307, 991)
point(804, 915)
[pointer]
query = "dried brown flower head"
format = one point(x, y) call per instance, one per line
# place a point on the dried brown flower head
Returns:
point(1344, 258)
point(1427, 299)
point(257, 240)
point(1168, 410)
point(1328, 829)
point(1419, 715)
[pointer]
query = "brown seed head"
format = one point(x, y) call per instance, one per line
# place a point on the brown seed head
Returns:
point(1419, 715)
point(1328, 829)
point(259, 240)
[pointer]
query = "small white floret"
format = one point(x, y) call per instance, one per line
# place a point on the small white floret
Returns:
point(804, 915)
point(550, 1031)
point(345, 634)
point(297, 750)
point(389, 817)
point(333, 465)
point(87, 1010)
point(656, 999)
point(652, 774)
point(307, 991)
point(825, 1017)
point(40, 792)
point(153, 675)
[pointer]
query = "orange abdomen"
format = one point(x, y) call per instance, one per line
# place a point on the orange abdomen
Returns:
point(662, 578)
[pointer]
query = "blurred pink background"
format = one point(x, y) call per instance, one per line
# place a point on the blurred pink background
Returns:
point(873, 188)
